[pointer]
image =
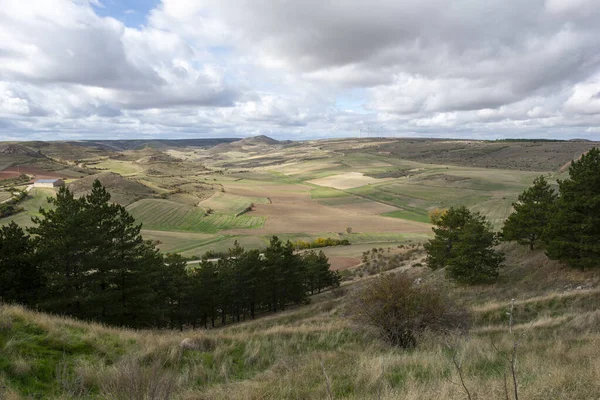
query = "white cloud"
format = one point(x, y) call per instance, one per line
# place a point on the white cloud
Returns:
point(230, 68)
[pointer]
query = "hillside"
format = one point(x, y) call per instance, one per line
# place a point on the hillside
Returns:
point(527, 155)
point(18, 150)
point(123, 191)
point(315, 352)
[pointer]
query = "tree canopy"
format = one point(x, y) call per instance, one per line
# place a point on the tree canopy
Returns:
point(532, 213)
point(464, 244)
point(574, 230)
point(86, 258)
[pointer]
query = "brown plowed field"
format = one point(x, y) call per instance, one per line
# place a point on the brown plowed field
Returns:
point(292, 210)
point(38, 173)
point(340, 263)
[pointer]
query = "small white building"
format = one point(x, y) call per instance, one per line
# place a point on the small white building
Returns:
point(48, 183)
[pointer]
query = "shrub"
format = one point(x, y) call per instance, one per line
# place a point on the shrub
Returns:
point(400, 310)
point(129, 379)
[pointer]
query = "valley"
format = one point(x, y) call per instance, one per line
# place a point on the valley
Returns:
point(197, 196)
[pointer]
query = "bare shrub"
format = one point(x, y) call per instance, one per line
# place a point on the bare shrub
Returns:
point(131, 380)
point(400, 311)
point(72, 384)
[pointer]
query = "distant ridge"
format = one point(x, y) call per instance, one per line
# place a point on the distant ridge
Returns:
point(139, 144)
point(17, 149)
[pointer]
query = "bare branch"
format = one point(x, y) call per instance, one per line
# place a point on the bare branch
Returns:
point(327, 382)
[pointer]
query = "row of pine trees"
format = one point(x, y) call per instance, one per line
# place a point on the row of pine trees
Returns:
point(564, 222)
point(85, 257)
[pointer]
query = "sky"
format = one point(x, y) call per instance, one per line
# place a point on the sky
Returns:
point(299, 69)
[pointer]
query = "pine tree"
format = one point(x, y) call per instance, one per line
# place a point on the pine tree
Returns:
point(464, 244)
point(94, 260)
point(273, 277)
point(60, 239)
point(531, 215)
point(20, 279)
point(574, 231)
point(448, 228)
point(173, 290)
point(474, 259)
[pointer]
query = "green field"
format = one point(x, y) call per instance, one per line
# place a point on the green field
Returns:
point(226, 203)
point(36, 198)
point(326, 193)
point(124, 168)
point(167, 215)
point(409, 215)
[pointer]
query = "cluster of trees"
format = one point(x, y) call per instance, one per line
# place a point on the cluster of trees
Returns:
point(10, 206)
point(566, 223)
point(85, 258)
point(320, 242)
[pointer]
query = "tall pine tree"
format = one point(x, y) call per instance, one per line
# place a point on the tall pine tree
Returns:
point(532, 213)
point(574, 231)
point(20, 279)
point(464, 244)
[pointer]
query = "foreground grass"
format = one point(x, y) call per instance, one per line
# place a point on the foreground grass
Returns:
point(315, 352)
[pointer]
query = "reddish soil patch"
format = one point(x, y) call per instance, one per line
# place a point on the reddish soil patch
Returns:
point(340, 263)
point(8, 174)
point(38, 173)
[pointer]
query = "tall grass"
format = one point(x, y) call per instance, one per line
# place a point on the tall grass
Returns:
point(316, 352)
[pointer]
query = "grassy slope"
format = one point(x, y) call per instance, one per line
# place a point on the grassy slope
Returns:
point(36, 198)
point(293, 354)
point(156, 214)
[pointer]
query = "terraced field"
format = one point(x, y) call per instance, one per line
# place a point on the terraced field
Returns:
point(226, 203)
point(165, 215)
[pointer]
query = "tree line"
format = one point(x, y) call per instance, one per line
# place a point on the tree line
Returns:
point(85, 257)
point(566, 223)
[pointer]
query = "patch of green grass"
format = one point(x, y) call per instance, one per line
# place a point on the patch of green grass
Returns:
point(120, 167)
point(409, 215)
point(37, 197)
point(326, 193)
point(166, 215)
point(340, 201)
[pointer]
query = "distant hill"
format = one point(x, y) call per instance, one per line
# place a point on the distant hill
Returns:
point(527, 155)
point(258, 140)
point(159, 144)
point(123, 191)
point(259, 143)
point(11, 149)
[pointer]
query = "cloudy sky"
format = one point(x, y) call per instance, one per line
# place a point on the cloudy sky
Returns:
point(91, 69)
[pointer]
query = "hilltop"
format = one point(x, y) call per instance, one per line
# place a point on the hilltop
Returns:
point(123, 191)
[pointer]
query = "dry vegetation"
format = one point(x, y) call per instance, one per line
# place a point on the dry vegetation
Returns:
point(315, 351)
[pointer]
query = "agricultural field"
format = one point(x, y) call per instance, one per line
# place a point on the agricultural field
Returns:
point(226, 203)
point(165, 215)
point(194, 199)
point(124, 168)
point(37, 198)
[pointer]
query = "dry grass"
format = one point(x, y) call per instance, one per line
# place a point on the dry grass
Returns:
point(314, 352)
